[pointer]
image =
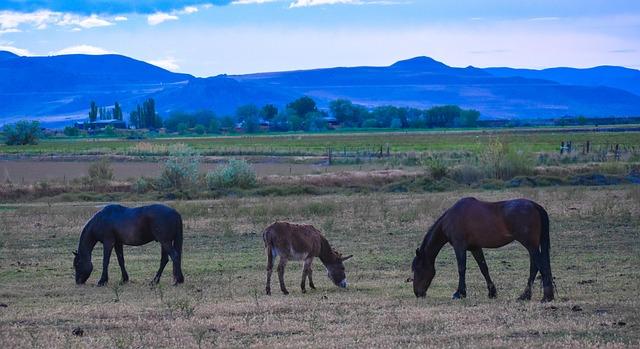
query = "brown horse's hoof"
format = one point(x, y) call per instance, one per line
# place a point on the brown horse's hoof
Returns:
point(492, 291)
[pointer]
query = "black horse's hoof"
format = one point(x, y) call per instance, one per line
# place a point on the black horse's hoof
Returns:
point(459, 295)
point(101, 283)
point(268, 291)
point(492, 292)
point(304, 291)
point(525, 296)
point(312, 287)
point(285, 292)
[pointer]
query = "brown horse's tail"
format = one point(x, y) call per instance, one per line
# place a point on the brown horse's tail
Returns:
point(545, 247)
point(177, 245)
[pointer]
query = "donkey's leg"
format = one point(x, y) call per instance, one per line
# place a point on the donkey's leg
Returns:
point(164, 259)
point(269, 269)
point(479, 256)
point(108, 246)
point(461, 257)
point(533, 270)
point(120, 255)
point(306, 271)
point(309, 274)
point(281, 265)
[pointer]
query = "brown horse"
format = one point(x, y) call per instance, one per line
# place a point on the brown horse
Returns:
point(470, 225)
point(301, 243)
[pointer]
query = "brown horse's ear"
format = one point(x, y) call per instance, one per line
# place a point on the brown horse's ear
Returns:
point(417, 252)
point(75, 253)
point(347, 257)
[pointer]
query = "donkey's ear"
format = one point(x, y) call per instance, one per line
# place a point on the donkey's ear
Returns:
point(347, 257)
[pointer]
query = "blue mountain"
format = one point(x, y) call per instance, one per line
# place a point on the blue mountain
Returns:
point(61, 87)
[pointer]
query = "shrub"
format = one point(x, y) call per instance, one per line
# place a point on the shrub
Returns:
point(502, 162)
point(467, 174)
point(22, 133)
point(437, 168)
point(181, 169)
point(71, 131)
point(199, 129)
point(141, 186)
point(100, 171)
point(237, 173)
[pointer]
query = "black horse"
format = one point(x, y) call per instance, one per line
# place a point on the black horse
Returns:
point(471, 225)
point(116, 225)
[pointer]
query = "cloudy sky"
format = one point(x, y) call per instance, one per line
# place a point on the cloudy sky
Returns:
point(242, 36)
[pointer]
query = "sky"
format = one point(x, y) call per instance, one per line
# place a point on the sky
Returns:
point(207, 38)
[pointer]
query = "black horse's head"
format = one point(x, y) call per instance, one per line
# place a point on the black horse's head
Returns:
point(83, 268)
point(423, 273)
point(336, 271)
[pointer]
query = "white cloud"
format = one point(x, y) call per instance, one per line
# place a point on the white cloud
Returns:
point(190, 9)
point(120, 18)
point(168, 63)
point(83, 22)
point(41, 19)
point(307, 3)
point(248, 2)
point(16, 50)
point(160, 17)
point(10, 30)
point(81, 49)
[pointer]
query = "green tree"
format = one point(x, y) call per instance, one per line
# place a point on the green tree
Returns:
point(117, 112)
point(303, 106)
point(214, 126)
point(268, 112)
point(347, 113)
point(93, 112)
point(199, 129)
point(469, 118)
point(248, 115)
point(22, 132)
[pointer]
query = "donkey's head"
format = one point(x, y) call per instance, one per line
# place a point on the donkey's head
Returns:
point(335, 270)
point(423, 273)
point(83, 268)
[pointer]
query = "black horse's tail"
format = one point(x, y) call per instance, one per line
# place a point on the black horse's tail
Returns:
point(177, 244)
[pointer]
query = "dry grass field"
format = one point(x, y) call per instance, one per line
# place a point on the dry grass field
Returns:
point(595, 253)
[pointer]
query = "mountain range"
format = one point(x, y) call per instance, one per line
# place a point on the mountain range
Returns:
point(56, 89)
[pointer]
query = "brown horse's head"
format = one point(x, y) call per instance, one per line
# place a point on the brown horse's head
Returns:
point(335, 270)
point(423, 273)
point(83, 268)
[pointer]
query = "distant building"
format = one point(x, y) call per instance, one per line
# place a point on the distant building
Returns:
point(100, 124)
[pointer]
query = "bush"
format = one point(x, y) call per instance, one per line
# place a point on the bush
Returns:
point(22, 133)
point(236, 174)
point(467, 174)
point(437, 168)
point(181, 169)
point(71, 131)
point(502, 162)
point(199, 129)
point(141, 186)
point(100, 171)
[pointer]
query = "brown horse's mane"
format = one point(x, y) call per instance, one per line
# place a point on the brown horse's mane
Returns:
point(430, 232)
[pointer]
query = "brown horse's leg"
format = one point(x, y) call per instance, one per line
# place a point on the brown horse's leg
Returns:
point(533, 270)
point(120, 255)
point(178, 278)
point(269, 269)
point(281, 265)
point(164, 259)
point(309, 274)
point(105, 263)
point(484, 269)
point(461, 257)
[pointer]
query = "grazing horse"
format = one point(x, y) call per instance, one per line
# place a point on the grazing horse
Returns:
point(471, 225)
point(116, 225)
point(301, 243)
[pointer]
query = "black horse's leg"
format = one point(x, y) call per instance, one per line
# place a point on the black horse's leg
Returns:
point(105, 263)
point(178, 278)
point(484, 269)
point(533, 270)
point(461, 257)
point(164, 259)
point(120, 255)
point(545, 271)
